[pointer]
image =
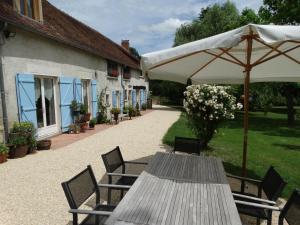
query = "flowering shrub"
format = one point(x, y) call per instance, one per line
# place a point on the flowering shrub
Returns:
point(206, 106)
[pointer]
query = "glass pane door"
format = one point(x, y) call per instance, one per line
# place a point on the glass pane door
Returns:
point(49, 101)
point(44, 94)
point(85, 96)
point(39, 102)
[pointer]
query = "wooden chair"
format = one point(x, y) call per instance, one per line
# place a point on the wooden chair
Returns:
point(187, 145)
point(80, 188)
point(112, 161)
point(271, 185)
point(289, 213)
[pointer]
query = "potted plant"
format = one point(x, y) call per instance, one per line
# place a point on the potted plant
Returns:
point(44, 144)
point(75, 106)
point(32, 144)
point(144, 106)
point(3, 153)
point(131, 111)
point(84, 111)
point(115, 73)
point(22, 128)
point(77, 129)
point(92, 123)
point(137, 108)
point(19, 147)
point(115, 111)
point(83, 126)
point(72, 128)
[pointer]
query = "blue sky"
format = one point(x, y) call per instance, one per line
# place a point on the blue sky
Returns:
point(148, 24)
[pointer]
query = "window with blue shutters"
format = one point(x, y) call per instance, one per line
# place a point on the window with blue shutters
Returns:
point(26, 98)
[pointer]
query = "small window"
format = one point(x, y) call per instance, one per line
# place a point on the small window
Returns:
point(29, 8)
point(125, 95)
point(107, 102)
point(112, 69)
point(126, 73)
point(129, 97)
point(141, 74)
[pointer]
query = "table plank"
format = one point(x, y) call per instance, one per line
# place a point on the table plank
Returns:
point(178, 190)
point(199, 169)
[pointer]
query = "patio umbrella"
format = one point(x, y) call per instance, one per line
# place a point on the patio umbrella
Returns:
point(252, 53)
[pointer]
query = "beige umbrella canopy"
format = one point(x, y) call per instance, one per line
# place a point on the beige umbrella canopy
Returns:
point(252, 53)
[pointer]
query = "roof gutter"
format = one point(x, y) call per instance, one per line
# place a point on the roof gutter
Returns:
point(75, 45)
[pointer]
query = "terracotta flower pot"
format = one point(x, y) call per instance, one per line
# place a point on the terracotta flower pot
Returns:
point(87, 117)
point(84, 127)
point(116, 117)
point(44, 145)
point(18, 152)
point(3, 158)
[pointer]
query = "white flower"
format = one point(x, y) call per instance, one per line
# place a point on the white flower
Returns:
point(239, 106)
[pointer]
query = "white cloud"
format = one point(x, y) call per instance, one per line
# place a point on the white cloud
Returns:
point(163, 28)
point(149, 25)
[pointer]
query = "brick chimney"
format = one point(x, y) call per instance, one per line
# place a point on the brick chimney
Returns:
point(125, 44)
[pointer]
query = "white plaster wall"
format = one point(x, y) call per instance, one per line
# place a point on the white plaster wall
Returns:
point(30, 53)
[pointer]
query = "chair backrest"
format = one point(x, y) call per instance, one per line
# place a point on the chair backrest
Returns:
point(272, 184)
point(113, 160)
point(79, 188)
point(187, 145)
point(291, 210)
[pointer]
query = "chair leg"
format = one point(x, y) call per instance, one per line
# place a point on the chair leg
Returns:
point(269, 218)
point(75, 219)
point(109, 196)
point(122, 194)
point(257, 221)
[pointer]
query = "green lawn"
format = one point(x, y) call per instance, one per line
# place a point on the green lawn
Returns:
point(271, 142)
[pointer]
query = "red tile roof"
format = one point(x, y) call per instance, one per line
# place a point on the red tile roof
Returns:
point(61, 27)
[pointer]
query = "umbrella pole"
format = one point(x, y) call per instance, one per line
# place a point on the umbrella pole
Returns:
point(246, 126)
point(248, 68)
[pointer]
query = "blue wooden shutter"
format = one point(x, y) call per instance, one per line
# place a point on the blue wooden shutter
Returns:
point(133, 98)
point(26, 98)
point(78, 90)
point(122, 101)
point(94, 98)
point(145, 96)
point(66, 97)
point(142, 97)
point(114, 99)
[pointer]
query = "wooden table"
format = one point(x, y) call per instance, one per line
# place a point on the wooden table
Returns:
point(178, 190)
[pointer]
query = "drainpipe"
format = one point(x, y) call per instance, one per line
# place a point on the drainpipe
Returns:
point(122, 84)
point(3, 25)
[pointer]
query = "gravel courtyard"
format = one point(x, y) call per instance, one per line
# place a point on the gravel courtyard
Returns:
point(30, 187)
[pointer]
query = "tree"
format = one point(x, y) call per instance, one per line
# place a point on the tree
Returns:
point(171, 90)
point(134, 52)
point(280, 11)
point(283, 12)
point(211, 21)
point(249, 16)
